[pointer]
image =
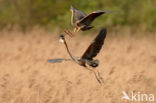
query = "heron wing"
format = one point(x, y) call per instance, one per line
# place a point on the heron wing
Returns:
point(78, 14)
point(58, 60)
point(96, 45)
point(87, 20)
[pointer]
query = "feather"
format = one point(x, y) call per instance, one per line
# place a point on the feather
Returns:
point(95, 46)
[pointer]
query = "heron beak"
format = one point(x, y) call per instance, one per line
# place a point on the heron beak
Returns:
point(71, 7)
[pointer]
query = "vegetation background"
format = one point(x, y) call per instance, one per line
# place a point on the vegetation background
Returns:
point(127, 61)
point(26, 14)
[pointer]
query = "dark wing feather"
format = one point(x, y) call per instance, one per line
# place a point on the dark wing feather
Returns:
point(87, 20)
point(59, 60)
point(95, 46)
point(78, 14)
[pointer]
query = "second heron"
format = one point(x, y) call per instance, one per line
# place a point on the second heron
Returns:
point(81, 21)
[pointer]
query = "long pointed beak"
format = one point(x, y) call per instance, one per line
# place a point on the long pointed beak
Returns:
point(72, 7)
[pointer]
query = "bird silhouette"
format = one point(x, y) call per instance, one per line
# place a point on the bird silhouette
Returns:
point(81, 21)
point(86, 60)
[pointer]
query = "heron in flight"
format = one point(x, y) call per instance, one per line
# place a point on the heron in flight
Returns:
point(81, 21)
point(86, 60)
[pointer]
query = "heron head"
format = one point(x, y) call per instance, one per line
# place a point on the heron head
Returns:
point(71, 8)
point(61, 38)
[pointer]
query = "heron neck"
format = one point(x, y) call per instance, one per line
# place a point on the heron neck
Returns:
point(72, 18)
point(73, 58)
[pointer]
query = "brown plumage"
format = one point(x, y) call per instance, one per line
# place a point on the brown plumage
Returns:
point(91, 52)
point(95, 46)
point(81, 21)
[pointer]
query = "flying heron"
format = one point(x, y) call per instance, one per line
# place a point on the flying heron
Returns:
point(81, 21)
point(86, 60)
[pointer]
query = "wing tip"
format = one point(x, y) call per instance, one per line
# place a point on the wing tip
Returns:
point(103, 31)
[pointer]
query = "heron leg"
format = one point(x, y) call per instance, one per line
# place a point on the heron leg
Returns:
point(100, 76)
point(78, 29)
point(75, 29)
point(97, 78)
point(68, 32)
point(97, 75)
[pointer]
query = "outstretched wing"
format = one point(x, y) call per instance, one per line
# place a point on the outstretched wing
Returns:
point(87, 20)
point(58, 60)
point(96, 45)
point(77, 13)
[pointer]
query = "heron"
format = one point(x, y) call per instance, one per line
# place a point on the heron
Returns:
point(81, 21)
point(86, 60)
